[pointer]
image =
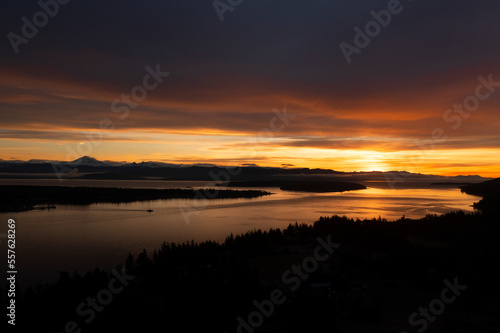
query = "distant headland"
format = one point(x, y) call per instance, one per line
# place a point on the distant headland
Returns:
point(15, 198)
point(302, 186)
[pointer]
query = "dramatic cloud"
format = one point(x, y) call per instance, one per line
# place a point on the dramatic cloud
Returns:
point(227, 77)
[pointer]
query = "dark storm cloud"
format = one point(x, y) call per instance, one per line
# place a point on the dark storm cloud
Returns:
point(265, 54)
point(296, 40)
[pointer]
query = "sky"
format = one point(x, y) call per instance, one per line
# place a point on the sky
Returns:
point(276, 83)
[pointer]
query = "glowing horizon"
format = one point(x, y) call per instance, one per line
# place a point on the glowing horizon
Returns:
point(420, 105)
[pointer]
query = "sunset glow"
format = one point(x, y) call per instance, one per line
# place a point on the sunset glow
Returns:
point(381, 112)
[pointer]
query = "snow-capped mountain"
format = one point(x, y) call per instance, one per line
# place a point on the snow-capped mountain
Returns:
point(86, 161)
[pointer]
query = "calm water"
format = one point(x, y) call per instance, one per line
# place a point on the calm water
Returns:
point(82, 237)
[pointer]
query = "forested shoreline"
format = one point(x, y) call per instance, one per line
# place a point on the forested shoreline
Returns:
point(381, 273)
point(15, 198)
